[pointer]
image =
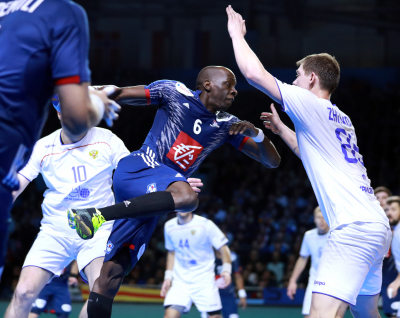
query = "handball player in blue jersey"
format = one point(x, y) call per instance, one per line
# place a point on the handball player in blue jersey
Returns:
point(187, 127)
point(44, 47)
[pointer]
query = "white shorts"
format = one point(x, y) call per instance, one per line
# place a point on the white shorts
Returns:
point(307, 297)
point(351, 263)
point(54, 252)
point(204, 296)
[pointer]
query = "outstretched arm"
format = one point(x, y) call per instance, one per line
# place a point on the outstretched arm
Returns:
point(130, 95)
point(260, 148)
point(274, 123)
point(248, 62)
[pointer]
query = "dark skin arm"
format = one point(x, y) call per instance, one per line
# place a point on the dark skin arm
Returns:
point(263, 152)
point(130, 95)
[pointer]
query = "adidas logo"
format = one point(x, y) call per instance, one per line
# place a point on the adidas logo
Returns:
point(127, 203)
point(187, 105)
point(178, 175)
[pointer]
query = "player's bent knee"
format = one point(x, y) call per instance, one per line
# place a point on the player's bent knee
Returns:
point(25, 293)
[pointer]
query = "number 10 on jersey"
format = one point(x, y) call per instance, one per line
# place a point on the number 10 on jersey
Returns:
point(79, 173)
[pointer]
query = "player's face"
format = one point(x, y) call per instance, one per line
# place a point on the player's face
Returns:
point(382, 196)
point(393, 213)
point(320, 221)
point(223, 90)
point(302, 80)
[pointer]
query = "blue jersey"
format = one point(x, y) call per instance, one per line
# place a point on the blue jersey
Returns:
point(230, 290)
point(43, 43)
point(184, 131)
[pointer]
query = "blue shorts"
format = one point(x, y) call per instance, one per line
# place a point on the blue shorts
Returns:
point(54, 298)
point(136, 175)
point(229, 305)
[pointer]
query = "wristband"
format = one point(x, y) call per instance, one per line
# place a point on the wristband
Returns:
point(74, 275)
point(227, 267)
point(168, 275)
point(242, 293)
point(260, 136)
point(98, 104)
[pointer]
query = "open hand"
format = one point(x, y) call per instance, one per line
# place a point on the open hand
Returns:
point(272, 120)
point(236, 24)
point(110, 107)
point(243, 127)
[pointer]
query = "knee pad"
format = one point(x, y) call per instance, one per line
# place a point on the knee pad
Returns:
point(99, 306)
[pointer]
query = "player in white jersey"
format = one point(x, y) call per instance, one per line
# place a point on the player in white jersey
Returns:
point(78, 173)
point(393, 213)
point(190, 240)
point(350, 269)
point(313, 244)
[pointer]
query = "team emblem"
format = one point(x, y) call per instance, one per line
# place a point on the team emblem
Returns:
point(109, 247)
point(152, 187)
point(181, 88)
point(193, 232)
point(184, 151)
point(94, 154)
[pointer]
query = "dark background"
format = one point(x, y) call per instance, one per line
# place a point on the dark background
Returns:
point(265, 212)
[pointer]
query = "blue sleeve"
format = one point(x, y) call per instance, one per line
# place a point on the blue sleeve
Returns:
point(70, 46)
point(238, 140)
point(158, 93)
point(235, 263)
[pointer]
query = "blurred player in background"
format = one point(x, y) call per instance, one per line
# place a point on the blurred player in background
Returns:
point(189, 277)
point(188, 126)
point(228, 294)
point(77, 171)
point(326, 142)
point(389, 271)
point(393, 213)
point(44, 46)
point(55, 297)
point(313, 245)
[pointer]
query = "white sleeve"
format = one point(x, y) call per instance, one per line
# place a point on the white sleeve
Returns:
point(119, 150)
point(299, 103)
point(305, 250)
point(215, 235)
point(168, 244)
point(32, 168)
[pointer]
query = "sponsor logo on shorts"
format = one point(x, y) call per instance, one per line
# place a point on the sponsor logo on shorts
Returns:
point(109, 247)
point(178, 175)
point(319, 283)
point(367, 189)
point(152, 187)
point(184, 151)
point(127, 203)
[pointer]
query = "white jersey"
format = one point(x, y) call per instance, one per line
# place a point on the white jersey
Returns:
point(396, 246)
point(331, 158)
point(77, 175)
point(193, 244)
point(313, 244)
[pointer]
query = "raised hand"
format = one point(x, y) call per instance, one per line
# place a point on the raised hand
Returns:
point(236, 24)
point(272, 120)
point(110, 107)
point(243, 127)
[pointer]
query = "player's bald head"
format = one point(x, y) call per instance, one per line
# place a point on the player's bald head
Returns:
point(211, 73)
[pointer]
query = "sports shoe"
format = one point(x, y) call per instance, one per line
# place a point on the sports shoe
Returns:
point(87, 221)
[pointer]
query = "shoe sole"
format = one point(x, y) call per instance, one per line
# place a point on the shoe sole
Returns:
point(80, 224)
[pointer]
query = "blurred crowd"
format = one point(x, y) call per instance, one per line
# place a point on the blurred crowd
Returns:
point(265, 212)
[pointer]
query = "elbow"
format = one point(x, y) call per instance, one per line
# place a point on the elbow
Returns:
point(272, 164)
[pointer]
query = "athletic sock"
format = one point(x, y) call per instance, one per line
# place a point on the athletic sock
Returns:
point(148, 205)
point(99, 306)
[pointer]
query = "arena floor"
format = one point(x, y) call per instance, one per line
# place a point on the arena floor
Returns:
point(156, 311)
